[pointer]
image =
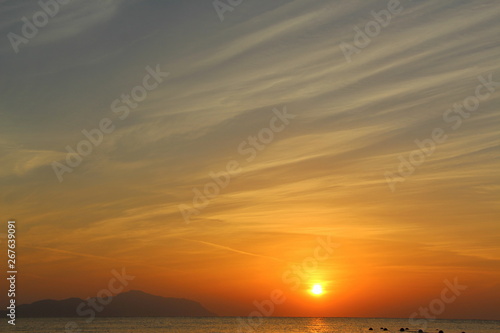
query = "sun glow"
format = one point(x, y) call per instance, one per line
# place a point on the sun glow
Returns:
point(317, 289)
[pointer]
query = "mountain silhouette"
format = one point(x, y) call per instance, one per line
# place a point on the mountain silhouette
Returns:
point(133, 303)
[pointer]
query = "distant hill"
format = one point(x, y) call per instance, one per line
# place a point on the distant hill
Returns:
point(132, 303)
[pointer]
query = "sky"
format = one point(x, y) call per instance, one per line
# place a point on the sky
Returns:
point(265, 146)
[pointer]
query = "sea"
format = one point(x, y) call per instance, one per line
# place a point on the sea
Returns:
point(235, 325)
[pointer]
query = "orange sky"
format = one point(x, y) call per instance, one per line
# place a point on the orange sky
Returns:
point(319, 174)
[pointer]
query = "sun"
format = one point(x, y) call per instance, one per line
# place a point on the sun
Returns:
point(317, 289)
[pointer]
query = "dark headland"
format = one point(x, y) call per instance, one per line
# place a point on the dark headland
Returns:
point(133, 303)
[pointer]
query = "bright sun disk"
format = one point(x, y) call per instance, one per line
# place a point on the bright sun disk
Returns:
point(317, 289)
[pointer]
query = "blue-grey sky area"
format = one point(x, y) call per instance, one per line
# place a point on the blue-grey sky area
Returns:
point(374, 122)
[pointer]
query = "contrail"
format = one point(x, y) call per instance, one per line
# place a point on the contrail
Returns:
point(232, 250)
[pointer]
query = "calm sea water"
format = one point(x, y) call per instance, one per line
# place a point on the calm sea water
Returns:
point(233, 325)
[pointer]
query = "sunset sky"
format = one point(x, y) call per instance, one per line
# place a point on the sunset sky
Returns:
point(344, 126)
